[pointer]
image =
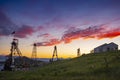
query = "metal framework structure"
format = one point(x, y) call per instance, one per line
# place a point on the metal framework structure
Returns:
point(34, 52)
point(78, 52)
point(14, 51)
point(55, 53)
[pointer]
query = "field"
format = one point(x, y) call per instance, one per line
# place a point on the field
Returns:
point(102, 66)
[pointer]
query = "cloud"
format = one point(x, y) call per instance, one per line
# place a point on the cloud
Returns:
point(48, 40)
point(6, 25)
point(91, 32)
point(46, 35)
point(71, 34)
point(96, 32)
point(110, 33)
point(24, 31)
point(39, 28)
point(51, 42)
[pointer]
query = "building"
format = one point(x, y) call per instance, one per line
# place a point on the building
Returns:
point(106, 47)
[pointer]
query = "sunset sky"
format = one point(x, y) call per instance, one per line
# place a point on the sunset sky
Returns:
point(68, 24)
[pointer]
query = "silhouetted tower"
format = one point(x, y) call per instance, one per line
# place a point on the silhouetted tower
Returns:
point(34, 51)
point(55, 53)
point(11, 63)
point(14, 51)
point(78, 52)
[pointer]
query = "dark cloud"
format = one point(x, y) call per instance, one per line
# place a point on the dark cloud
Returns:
point(24, 31)
point(6, 25)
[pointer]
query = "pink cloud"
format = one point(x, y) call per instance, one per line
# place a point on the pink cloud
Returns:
point(51, 42)
point(73, 33)
point(24, 31)
point(46, 35)
point(110, 33)
point(98, 32)
point(81, 33)
point(39, 28)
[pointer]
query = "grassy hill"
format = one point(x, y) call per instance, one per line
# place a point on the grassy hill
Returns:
point(104, 66)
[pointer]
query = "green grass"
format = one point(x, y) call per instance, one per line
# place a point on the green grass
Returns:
point(104, 66)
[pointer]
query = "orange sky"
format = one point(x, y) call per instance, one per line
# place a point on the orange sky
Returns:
point(64, 50)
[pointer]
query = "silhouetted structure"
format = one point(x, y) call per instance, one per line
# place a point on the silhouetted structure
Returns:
point(106, 47)
point(34, 52)
point(78, 52)
point(55, 53)
point(15, 52)
point(11, 63)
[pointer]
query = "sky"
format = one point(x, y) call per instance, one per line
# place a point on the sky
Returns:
point(68, 24)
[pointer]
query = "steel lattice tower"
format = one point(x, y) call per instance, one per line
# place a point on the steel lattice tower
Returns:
point(34, 52)
point(78, 52)
point(55, 53)
point(11, 63)
point(14, 51)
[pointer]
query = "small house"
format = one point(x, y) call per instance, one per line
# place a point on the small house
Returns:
point(106, 47)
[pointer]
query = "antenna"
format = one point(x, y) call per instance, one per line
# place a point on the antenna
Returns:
point(55, 53)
